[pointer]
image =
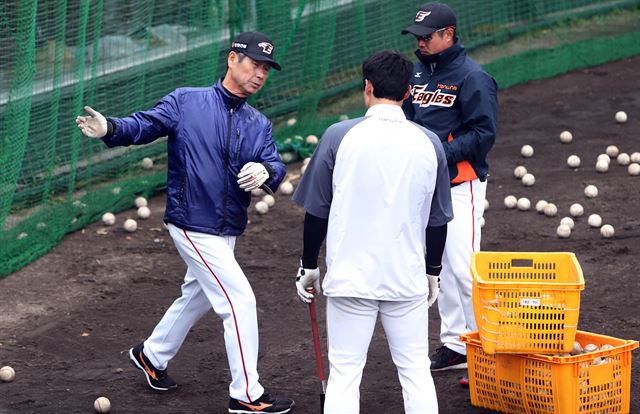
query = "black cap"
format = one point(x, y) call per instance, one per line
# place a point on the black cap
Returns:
point(257, 46)
point(431, 17)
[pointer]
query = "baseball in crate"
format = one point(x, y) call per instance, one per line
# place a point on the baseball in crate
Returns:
point(594, 379)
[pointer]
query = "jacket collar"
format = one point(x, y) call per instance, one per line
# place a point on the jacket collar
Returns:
point(230, 100)
point(386, 111)
point(443, 58)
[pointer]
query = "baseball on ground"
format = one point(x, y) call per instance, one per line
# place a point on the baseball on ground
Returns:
point(523, 204)
point(528, 180)
point(262, 207)
point(292, 121)
point(612, 151)
point(510, 201)
point(144, 212)
point(566, 137)
point(481, 222)
point(540, 205)
point(576, 210)
point(591, 191)
point(621, 117)
point(623, 158)
point(573, 161)
point(286, 188)
point(604, 157)
point(634, 169)
point(146, 163)
point(563, 231)
point(635, 157)
point(519, 171)
point(550, 210)
point(287, 157)
point(257, 192)
point(102, 405)
point(486, 204)
point(141, 202)
point(7, 374)
point(303, 168)
point(108, 219)
point(602, 165)
point(526, 151)
point(607, 231)
point(130, 225)
point(568, 221)
point(594, 220)
point(269, 199)
point(312, 139)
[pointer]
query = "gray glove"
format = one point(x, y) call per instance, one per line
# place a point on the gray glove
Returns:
point(308, 279)
point(94, 125)
point(434, 289)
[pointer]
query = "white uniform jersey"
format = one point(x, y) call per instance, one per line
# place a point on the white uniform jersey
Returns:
point(380, 180)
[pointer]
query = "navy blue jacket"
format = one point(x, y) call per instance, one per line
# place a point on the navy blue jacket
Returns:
point(458, 100)
point(211, 135)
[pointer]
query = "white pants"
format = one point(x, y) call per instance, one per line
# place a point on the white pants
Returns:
point(350, 326)
point(213, 280)
point(456, 281)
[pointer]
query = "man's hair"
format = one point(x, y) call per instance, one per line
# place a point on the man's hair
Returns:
point(389, 72)
point(241, 56)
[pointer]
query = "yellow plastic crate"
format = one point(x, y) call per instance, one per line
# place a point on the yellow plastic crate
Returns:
point(526, 302)
point(541, 384)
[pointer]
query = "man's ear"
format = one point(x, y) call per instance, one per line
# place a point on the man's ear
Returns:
point(368, 87)
point(232, 57)
point(407, 93)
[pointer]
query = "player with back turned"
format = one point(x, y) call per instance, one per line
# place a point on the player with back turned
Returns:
point(219, 149)
point(378, 188)
point(455, 98)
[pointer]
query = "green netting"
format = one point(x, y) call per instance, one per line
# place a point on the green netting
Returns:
point(120, 56)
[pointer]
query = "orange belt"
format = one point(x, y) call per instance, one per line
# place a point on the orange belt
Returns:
point(465, 170)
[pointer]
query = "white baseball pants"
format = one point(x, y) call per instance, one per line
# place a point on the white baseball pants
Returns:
point(213, 280)
point(456, 281)
point(350, 326)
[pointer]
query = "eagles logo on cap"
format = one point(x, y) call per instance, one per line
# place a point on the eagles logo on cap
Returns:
point(431, 17)
point(421, 15)
point(266, 47)
point(257, 46)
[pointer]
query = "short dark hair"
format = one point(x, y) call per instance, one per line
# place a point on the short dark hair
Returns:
point(389, 72)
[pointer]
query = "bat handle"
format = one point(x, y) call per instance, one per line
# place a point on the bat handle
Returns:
point(316, 342)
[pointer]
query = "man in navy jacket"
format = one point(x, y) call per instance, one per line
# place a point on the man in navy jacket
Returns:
point(452, 96)
point(219, 149)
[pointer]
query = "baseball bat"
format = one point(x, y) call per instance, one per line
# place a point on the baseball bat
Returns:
point(266, 189)
point(318, 351)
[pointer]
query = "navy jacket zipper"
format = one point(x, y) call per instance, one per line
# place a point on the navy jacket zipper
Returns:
point(226, 172)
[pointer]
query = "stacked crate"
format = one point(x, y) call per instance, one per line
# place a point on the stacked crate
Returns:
point(522, 358)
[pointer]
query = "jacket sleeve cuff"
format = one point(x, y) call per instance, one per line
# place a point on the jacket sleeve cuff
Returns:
point(111, 128)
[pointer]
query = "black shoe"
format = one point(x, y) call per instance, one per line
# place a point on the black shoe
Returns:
point(445, 359)
point(264, 404)
point(157, 379)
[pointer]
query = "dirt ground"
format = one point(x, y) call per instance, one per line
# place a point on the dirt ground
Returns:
point(68, 319)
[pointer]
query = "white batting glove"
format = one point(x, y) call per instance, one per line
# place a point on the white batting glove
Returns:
point(252, 176)
point(434, 289)
point(94, 125)
point(308, 279)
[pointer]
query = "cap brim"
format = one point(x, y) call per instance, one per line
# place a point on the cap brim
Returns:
point(418, 30)
point(261, 58)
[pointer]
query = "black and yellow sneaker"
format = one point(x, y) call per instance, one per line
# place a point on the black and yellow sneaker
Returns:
point(445, 359)
point(264, 404)
point(157, 379)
